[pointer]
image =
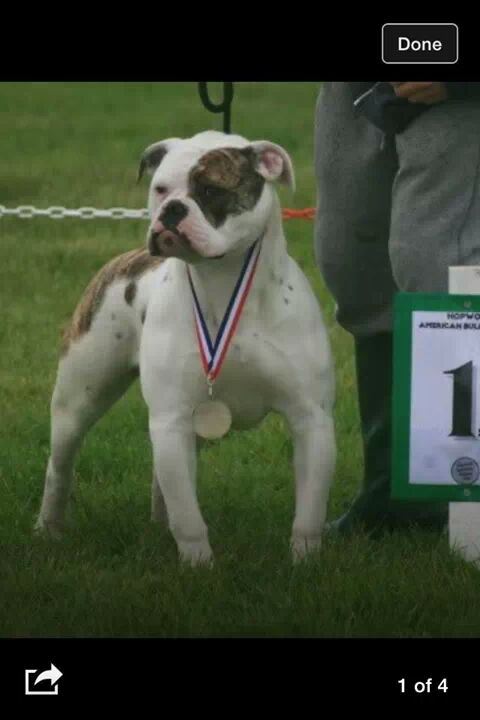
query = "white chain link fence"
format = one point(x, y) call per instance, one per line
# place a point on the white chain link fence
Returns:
point(84, 213)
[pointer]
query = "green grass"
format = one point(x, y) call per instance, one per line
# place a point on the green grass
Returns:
point(115, 574)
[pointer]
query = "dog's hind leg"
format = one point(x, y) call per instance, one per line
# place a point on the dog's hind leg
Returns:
point(96, 371)
point(76, 407)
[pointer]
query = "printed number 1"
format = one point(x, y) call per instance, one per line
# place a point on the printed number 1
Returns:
point(462, 400)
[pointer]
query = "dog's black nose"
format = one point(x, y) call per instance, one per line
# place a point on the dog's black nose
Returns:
point(173, 213)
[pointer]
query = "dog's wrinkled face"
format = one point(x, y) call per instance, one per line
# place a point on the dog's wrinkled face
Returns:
point(211, 194)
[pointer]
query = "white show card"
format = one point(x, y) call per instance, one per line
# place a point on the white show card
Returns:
point(445, 398)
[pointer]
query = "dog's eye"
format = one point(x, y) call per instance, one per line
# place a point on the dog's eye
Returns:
point(211, 191)
point(160, 189)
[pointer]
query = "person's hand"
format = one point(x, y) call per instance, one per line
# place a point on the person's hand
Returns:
point(428, 93)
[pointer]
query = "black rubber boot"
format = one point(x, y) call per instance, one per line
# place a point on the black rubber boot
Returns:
point(373, 510)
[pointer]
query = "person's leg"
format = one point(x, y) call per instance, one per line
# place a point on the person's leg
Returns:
point(436, 197)
point(355, 171)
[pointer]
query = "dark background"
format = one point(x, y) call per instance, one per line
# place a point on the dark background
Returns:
point(223, 42)
point(244, 676)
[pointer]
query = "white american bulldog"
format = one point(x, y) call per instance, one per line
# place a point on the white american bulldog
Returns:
point(211, 198)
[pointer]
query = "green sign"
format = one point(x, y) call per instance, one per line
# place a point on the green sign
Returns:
point(436, 403)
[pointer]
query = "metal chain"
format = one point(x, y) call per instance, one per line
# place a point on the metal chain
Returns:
point(84, 213)
point(88, 213)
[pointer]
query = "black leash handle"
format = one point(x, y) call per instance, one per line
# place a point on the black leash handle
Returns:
point(224, 106)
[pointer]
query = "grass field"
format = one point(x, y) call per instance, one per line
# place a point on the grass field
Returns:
point(115, 574)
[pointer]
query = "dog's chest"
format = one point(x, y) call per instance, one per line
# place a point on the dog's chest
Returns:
point(244, 381)
point(241, 383)
point(256, 368)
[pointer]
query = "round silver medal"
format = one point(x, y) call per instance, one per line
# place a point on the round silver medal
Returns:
point(212, 419)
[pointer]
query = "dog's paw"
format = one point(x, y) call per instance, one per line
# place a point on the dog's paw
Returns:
point(303, 545)
point(43, 528)
point(196, 553)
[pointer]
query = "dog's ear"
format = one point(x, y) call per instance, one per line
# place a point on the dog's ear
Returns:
point(153, 155)
point(274, 163)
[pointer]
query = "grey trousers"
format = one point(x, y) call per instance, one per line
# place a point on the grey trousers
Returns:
point(393, 215)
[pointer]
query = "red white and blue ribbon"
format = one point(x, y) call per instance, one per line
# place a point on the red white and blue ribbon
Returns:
point(213, 353)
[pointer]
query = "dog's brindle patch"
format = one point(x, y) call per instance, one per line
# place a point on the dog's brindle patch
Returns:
point(225, 182)
point(130, 292)
point(130, 265)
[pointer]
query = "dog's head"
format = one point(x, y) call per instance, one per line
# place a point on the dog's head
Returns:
point(211, 194)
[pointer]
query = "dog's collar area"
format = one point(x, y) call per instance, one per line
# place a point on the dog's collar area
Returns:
point(255, 242)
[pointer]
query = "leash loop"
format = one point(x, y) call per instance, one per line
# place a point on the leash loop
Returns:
point(225, 106)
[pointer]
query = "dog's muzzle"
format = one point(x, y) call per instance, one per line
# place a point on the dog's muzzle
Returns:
point(164, 238)
point(181, 231)
point(166, 243)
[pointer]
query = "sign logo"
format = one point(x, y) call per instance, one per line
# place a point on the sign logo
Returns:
point(53, 675)
point(465, 471)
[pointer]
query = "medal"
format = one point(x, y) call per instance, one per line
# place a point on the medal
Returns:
point(212, 419)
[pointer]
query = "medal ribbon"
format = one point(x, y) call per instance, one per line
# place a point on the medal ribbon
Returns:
point(213, 353)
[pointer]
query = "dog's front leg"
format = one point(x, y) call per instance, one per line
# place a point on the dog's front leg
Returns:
point(175, 460)
point(314, 464)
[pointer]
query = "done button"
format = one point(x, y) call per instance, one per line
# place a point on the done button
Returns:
point(420, 43)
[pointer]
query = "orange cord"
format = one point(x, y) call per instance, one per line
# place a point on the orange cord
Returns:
point(305, 213)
